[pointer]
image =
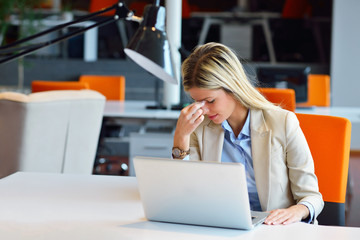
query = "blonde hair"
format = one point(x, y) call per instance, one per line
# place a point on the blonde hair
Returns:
point(214, 66)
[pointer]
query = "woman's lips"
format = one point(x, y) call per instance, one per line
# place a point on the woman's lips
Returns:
point(212, 117)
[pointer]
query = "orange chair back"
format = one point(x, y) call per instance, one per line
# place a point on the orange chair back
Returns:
point(40, 86)
point(138, 7)
point(329, 141)
point(318, 91)
point(112, 87)
point(296, 9)
point(96, 5)
point(285, 98)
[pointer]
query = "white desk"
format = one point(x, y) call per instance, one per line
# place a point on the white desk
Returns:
point(132, 111)
point(351, 113)
point(137, 109)
point(59, 206)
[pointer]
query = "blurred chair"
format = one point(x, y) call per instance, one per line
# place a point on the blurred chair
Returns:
point(329, 141)
point(285, 98)
point(296, 9)
point(318, 91)
point(53, 131)
point(96, 5)
point(40, 86)
point(138, 7)
point(112, 87)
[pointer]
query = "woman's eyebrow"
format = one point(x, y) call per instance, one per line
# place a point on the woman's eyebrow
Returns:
point(200, 99)
point(205, 99)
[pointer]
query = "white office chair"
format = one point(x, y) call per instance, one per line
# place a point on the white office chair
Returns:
point(53, 131)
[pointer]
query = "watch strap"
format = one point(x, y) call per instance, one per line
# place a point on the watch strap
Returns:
point(179, 153)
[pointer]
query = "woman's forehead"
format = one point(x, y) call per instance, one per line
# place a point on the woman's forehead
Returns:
point(200, 94)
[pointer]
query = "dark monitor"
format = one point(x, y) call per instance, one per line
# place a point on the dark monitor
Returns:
point(286, 77)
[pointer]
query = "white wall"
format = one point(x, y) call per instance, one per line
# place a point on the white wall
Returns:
point(345, 60)
point(345, 56)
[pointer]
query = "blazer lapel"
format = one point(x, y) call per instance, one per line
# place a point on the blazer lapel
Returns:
point(213, 142)
point(261, 151)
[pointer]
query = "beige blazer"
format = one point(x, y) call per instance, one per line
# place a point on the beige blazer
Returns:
point(283, 165)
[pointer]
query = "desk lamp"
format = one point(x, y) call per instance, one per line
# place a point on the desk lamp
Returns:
point(149, 46)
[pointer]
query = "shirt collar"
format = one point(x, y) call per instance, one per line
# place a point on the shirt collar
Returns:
point(244, 131)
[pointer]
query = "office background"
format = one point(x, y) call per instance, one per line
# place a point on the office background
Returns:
point(294, 42)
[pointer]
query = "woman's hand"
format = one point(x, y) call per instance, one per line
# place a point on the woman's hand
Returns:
point(289, 215)
point(190, 118)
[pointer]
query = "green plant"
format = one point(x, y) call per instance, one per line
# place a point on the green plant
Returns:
point(66, 5)
point(24, 9)
point(5, 7)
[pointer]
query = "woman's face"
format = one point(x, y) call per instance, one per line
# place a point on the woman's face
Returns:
point(219, 104)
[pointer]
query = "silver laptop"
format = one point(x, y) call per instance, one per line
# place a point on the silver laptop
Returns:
point(195, 192)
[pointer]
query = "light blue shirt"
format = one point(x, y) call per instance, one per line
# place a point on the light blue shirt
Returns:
point(237, 149)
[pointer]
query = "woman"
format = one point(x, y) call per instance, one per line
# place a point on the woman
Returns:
point(230, 121)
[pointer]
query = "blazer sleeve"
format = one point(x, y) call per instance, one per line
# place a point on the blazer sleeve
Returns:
point(194, 147)
point(303, 181)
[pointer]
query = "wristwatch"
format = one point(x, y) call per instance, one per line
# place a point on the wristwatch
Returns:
point(179, 153)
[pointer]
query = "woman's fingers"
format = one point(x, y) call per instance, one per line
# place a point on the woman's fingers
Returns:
point(193, 111)
point(193, 117)
point(199, 120)
point(193, 108)
point(190, 117)
point(286, 216)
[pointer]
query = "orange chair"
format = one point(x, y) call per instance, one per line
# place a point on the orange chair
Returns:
point(112, 87)
point(138, 7)
point(318, 91)
point(329, 141)
point(296, 9)
point(285, 98)
point(96, 5)
point(40, 86)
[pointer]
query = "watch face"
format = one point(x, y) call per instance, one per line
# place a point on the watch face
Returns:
point(176, 152)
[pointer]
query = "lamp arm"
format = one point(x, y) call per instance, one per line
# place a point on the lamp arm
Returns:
point(121, 12)
point(59, 27)
point(32, 48)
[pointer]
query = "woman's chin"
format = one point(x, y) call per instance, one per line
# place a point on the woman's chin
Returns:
point(216, 120)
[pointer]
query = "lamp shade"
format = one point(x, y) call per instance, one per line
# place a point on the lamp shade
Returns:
point(149, 47)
